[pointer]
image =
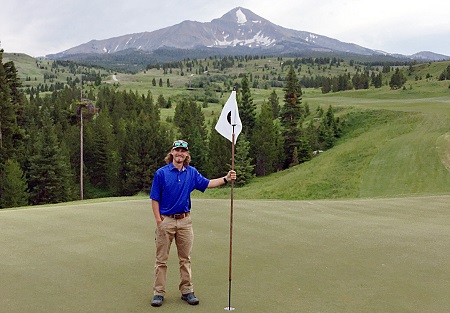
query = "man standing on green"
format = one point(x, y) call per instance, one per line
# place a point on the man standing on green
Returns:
point(171, 204)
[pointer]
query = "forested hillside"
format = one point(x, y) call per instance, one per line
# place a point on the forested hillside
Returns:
point(120, 129)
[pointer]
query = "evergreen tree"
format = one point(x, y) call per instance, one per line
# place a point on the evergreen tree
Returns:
point(243, 160)
point(99, 150)
point(290, 116)
point(14, 186)
point(445, 75)
point(322, 135)
point(198, 151)
point(278, 146)
point(331, 121)
point(263, 142)
point(312, 136)
point(397, 80)
point(190, 121)
point(144, 151)
point(7, 116)
point(378, 80)
point(50, 179)
point(219, 153)
point(295, 160)
point(161, 101)
point(304, 151)
point(12, 119)
point(247, 109)
point(326, 86)
point(275, 103)
point(12, 114)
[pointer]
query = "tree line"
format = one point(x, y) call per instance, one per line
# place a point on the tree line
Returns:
point(125, 140)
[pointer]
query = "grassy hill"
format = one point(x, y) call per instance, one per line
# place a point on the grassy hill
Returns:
point(33, 72)
point(396, 143)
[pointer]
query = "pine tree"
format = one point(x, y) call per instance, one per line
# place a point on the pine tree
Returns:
point(190, 121)
point(295, 159)
point(12, 118)
point(326, 86)
point(312, 135)
point(243, 161)
point(161, 101)
point(219, 153)
point(98, 152)
point(247, 109)
point(7, 116)
point(263, 142)
point(145, 147)
point(14, 186)
point(304, 151)
point(198, 151)
point(275, 103)
point(278, 146)
point(290, 116)
point(50, 179)
point(397, 80)
point(11, 113)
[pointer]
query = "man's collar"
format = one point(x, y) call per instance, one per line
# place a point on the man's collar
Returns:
point(172, 167)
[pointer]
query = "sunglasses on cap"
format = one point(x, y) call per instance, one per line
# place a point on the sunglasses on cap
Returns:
point(180, 144)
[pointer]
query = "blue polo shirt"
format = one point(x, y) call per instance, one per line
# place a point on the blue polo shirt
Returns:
point(172, 188)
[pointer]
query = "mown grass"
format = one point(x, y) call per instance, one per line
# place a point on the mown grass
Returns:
point(349, 256)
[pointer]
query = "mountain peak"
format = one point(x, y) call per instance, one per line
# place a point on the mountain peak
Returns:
point(240, 16)
point(238, 31)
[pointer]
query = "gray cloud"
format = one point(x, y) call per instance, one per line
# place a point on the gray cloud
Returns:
point(43, 27)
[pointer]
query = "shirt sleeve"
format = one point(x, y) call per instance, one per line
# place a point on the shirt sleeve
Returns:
point(201, 182)
point(155, 192)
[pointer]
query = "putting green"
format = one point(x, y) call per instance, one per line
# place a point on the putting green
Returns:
point(369, 255)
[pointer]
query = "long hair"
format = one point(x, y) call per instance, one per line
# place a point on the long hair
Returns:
point(169, 158)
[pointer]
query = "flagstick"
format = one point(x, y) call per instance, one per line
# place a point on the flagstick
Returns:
point(229, 308)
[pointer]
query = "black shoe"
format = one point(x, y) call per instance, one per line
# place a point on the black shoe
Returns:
point(157, 300)
point(190, 298)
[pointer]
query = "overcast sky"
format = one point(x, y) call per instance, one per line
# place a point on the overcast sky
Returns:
point(40, 27)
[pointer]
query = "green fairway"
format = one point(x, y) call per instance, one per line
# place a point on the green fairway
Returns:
point(370, 255)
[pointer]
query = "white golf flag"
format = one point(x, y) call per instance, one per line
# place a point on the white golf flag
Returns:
point(229, 118)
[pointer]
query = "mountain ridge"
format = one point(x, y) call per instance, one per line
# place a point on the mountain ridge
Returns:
point(236, 29)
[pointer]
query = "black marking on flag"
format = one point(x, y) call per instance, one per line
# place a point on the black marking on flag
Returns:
point(229, 117)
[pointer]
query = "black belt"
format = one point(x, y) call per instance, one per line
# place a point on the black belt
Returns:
point(179, 216)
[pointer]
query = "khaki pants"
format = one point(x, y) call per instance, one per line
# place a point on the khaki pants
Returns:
point(181, 230)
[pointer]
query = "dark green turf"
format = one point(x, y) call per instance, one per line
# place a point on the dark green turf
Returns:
point(374, 255)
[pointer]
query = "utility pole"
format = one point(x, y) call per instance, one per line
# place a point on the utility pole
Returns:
point(81, 140)
point(88, 106)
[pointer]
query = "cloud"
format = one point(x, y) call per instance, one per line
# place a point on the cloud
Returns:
point(40, 28)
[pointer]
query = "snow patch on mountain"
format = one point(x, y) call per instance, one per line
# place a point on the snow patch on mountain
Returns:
point(258, 40)
point(264, 40)
point(240, 16)
point(311, 38)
